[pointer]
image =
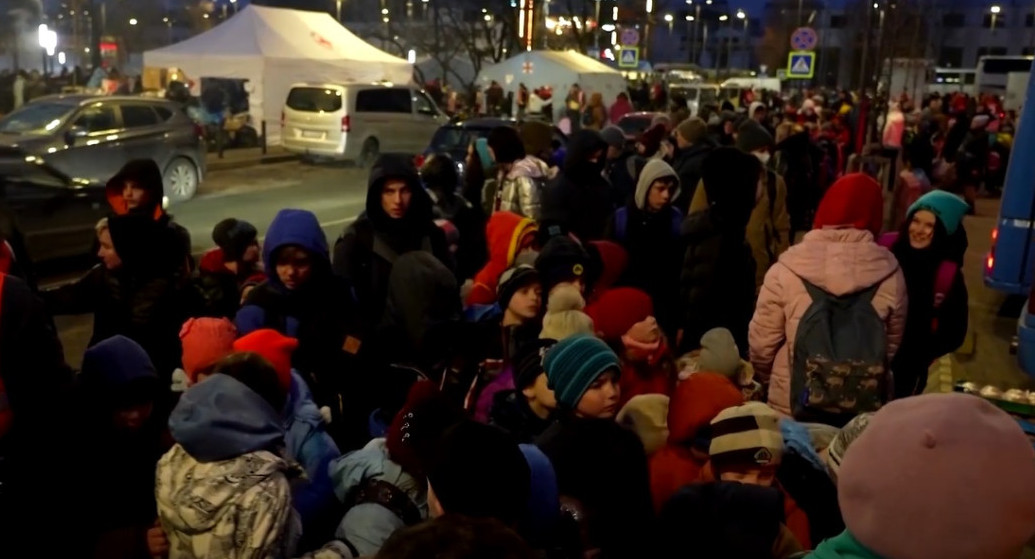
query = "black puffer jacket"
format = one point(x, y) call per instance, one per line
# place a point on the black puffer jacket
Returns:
point(578, 199)
point(687, 163)
point(367, 250)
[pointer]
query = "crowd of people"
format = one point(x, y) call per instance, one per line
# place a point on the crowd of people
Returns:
point(687, 345)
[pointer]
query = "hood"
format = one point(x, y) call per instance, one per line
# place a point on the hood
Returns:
point(300, 403)
point(114, 363)
point(655, 169)
point(581, 146)
point(843, 546)
point(144, 172)
point(608, 261)
point(530, 167)
point(840, 261)
point(400, 167)
point(544, 499)
point(504, 233)
point(221, 418)
point(294, 227)
point(754, 107)
point(372, 461)
point(143, 243)
point(695, 403)
point(196, 498)
point(422, 295)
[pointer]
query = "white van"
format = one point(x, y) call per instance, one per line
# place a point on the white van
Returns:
point(357, 122)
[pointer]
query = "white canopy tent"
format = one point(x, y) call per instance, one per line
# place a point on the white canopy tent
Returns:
point(558, 70)
point(273, 48)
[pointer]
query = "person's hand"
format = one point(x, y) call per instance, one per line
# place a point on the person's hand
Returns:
point(157, 543)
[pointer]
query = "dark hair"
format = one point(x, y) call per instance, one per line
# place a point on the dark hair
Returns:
point(474, 178)
point(456, 537)
point(506, 144)
point(255, 372)
point(439, 173)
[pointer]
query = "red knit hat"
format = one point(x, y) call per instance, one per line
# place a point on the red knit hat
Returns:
point(415, 429)
point(205, 341)
point(275, 348)
point(615, 312)
point(856, 201)
point(609, 261)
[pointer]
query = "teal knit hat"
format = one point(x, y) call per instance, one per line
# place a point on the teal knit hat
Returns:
point(947, 207)
point(574, 364)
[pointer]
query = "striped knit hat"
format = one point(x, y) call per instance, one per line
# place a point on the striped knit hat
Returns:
point(574, 364)
point(836, 451)
point(747, 435)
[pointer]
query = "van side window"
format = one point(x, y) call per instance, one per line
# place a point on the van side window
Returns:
point(423, 104)
point(96, 118)
point(389, 100)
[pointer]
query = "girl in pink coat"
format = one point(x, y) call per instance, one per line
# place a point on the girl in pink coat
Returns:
point(840, 257)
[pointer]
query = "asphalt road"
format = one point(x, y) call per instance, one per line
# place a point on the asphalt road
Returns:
point(336, 194)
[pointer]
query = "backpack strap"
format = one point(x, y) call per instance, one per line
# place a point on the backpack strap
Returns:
point(621, 223)
point(770, 184)
point(389, 496)
point(943, 281)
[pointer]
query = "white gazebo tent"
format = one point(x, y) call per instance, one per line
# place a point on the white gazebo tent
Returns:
point(558, 70)
point(273, 48)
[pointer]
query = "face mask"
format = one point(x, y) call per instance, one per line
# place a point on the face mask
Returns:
point(763, 157)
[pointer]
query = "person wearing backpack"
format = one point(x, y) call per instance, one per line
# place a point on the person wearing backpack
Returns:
point(648, 228)
point(831, 313)
point(930, 247)
point(520, 176)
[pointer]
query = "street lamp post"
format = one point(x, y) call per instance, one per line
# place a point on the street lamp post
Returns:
point(337, 10)
point(596, 26)
point(689, 41)
point(669, 19)
point(741, 15)
point(729, 41)
point(995, 15)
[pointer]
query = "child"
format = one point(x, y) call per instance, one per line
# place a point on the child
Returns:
point(583, 373)
point(508, 235)
point(205, 341)
point(562, 261)
point(230, 271)
point(526, 411)
point(223, 488)
point(564, 316)
point(719, 354)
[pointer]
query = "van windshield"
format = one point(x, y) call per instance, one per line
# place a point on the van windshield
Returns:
point(314, 100)
point(36, 119)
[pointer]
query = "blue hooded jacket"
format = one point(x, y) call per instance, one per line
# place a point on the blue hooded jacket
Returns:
point(308, 443)
point(289, 227)
point(221, 418)
point(115, 362)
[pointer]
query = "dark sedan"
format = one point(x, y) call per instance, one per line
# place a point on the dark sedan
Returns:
point(90, 137)
point(455, 137)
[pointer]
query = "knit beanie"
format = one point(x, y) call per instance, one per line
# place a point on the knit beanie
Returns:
point(835, 452)
point(528, 363)
point(617, 310)
point(205, 341)
point(652, 137)
point(234, 237)
point(752, 136)
point(512, 281)
point(940, 475)
point(719, 354)
point(693, 129)
point(856, 201)
point(564, 317)
point(746, 436)
point(607, 263)
point(947, 207)
point(561, 259)
point(506, 144)
point(614, 136)
point(275, 347)
point(647, 416)
point(574, 364)
point(415, 429)
point(477, 470)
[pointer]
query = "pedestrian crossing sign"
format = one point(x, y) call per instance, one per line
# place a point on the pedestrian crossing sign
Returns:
point(629, 57)
point(801, 65)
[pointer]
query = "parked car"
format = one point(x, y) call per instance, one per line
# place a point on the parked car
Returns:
point(54, 212)
point(634, 124)
point(455, 137)
point(90, 137)
point(357, 122)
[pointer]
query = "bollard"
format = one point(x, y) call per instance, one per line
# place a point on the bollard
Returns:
point(263, 138)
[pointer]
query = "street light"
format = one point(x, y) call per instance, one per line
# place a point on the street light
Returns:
point(724, 17)
point(995, 15)
point(132, 21)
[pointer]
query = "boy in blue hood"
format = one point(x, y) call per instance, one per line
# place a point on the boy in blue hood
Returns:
point(118, 438)
point(302, 299)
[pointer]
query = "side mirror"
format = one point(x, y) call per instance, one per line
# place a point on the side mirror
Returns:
point(74, 133)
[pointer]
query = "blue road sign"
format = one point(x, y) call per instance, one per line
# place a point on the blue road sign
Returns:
point(801, 65)
point(804, 38)
point(629, 57)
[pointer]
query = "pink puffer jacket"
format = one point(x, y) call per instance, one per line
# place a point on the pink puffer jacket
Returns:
point(840, 261)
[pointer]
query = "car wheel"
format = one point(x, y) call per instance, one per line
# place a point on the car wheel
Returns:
point(371, 150)
point(181, 180)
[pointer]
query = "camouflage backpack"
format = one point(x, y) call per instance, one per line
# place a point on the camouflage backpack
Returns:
point(839, 364)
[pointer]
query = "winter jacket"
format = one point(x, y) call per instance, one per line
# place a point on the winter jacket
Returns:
point(687, 163)
point(839, 261)
point(578, 200)
point(520, 189)
point(222, 490)
point(114, 510)
point(717, 286)
point(220, 288)
point(653, 243)
point(469, 221)
point(621, 173)
point(510, 412)
point(307, 442)
point(619, 108)
point(366, 526)
point(769, 230)
point(844, 546)
point(694, 403)
point(505, 233)
point(365, 253)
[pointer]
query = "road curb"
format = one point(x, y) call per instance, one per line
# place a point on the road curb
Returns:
point(225, 164)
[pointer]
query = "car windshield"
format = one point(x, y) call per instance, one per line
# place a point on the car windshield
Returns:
point(635, 125)
point(35, 118)
point(455, 138)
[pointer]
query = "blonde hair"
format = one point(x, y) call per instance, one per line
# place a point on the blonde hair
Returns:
point(101, 226)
